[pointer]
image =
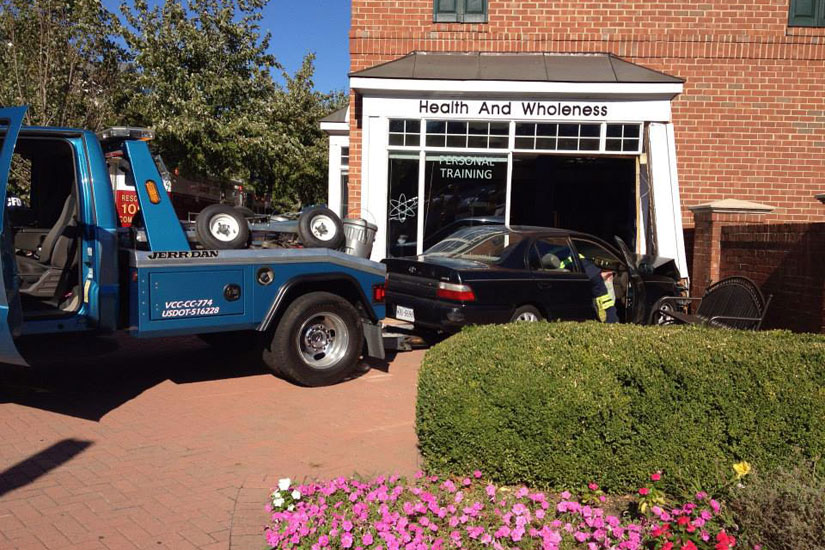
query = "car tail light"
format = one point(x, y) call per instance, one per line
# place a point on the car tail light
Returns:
point(379, 293)
point(459, 293)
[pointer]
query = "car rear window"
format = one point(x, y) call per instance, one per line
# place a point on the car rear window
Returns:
point(487, 245)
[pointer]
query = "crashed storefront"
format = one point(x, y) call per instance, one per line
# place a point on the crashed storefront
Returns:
point(580, 141)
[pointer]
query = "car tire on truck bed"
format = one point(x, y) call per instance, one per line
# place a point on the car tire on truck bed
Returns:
point(221, 227)
point(317, 342)
point(320, 227)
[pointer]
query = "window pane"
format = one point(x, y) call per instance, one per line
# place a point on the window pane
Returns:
point(396, 139)
point(479, 142)
point(614, 130)
point(456, 127)
point(631, 145)
point(547, 130)
point(461, 187)
point(436, 127)
point(613, 145)
point(631, 130)
point(569, 130)
point(402, 208)
point(478, 128)
point(547, 144)
point(524, 143)
point(498, 142)
point(590, 130)
point(413, 140)
point(499, 128)
point(396, 126)
point(568, 144)
point(589, 145)
point(435, 140)
point(413, 126)
point(456, 141)
point(525, 129)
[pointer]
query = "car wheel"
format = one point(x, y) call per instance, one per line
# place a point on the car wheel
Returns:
point(656, 316)
point(221, 227)
point(317, 342)
point(320, 227)
point(528, 314)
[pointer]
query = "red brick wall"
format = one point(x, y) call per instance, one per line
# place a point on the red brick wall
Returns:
point(786, 260)
point(750, 125)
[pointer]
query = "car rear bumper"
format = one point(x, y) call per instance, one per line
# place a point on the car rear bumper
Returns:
point(444, 314)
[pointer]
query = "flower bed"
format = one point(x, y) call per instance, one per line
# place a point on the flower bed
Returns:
point(391, 513)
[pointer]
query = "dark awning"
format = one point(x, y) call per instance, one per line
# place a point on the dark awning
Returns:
point(532, 67)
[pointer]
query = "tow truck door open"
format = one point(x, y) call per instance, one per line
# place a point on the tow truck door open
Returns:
point(11, 312)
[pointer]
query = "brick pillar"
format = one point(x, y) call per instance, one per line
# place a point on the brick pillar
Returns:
point(707, 240)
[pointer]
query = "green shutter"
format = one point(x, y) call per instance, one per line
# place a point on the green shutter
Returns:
point(462, 11)
point(445, 11)
point(807, 13)
point(475, 11)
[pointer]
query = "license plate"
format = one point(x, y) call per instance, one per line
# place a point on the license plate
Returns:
point(405, 313)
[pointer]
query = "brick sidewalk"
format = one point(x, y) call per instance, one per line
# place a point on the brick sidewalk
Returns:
point(163, 444)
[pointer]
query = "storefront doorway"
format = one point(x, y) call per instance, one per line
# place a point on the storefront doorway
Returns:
point(595, 195)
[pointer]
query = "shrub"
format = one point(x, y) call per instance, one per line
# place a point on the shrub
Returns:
point(783, 510)
point(554, 405)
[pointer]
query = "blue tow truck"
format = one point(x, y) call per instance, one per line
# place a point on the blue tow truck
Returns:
point(68, 267)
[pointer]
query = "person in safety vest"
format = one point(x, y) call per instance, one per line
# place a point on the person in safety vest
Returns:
point(603, 299)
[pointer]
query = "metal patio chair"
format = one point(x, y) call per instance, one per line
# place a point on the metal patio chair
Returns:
point(734, 302)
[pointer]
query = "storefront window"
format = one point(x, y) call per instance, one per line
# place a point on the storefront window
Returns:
point(461, 191)
point(462, 134)
point(402, 205)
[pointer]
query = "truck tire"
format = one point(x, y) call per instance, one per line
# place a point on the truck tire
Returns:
point(221, 227)
point(320, 227)
point(317, 342)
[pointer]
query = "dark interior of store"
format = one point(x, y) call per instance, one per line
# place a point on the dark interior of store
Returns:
point(596, 195)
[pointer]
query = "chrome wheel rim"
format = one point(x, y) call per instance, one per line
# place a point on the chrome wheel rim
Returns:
point(224, 227)
point(322, 228)
point(527, 316)
point(322, 340)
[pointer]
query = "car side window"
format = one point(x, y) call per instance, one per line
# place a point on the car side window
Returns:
point(551, 254)
point(598, 255)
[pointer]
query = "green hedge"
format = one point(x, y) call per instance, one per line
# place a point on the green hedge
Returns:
point(559, 404)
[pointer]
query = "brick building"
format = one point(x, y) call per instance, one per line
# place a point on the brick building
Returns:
point(739, 86)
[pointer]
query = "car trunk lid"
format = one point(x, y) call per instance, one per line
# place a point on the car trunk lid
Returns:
point(420, 275)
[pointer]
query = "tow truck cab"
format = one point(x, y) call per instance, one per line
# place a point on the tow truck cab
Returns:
point(68, 266)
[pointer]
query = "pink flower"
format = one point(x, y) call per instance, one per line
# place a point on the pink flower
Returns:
point(593, 487)
point(477, 474)
point(644, 491)
point(346, 540)
point(366, 540)
point(491, 490)
point(656, 477)
point(701, 495)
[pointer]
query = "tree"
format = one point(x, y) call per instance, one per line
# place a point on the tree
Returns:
point(202, 82)
point(300, 174)
point(62, 59)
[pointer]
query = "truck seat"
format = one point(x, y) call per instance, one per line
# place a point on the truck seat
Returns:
point(40, 277)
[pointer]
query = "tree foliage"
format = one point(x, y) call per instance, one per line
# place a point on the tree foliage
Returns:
point(62, 59)
point(198, 72)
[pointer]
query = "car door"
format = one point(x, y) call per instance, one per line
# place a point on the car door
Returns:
point(11, 313)
point(562, 290)
point(636, 289)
